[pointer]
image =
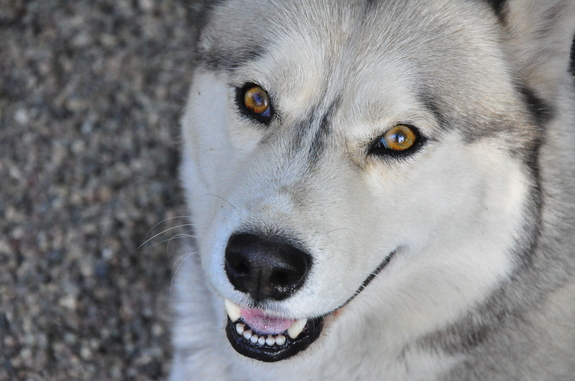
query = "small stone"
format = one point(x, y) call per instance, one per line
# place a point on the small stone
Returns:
point(21, 116)
point(68, 301)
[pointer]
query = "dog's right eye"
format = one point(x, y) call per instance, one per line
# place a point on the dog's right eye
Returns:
point(397, 141)
point(255, 102)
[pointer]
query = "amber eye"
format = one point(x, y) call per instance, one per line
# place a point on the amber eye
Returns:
point(255, 102)
point(399, 140)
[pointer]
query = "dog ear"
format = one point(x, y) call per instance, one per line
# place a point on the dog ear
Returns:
point(540, 33)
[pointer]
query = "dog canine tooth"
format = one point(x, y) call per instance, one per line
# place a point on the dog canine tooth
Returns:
point(296, 328)
point(233, 311)
point(240, 328)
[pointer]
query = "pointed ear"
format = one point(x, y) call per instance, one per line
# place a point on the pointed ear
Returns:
point(540, 33)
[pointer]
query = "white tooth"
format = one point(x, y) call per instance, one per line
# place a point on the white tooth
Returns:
point(270, 341)
point(254, 338)
point(248, 334)
point(261, 340)
point(280, 340)
point(296, 328)
point(240, 328)
point(234, 311)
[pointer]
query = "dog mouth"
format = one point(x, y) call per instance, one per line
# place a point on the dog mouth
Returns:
point(261, 336)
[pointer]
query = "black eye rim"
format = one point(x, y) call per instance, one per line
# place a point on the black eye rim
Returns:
point(240, 94)
point(379, 149)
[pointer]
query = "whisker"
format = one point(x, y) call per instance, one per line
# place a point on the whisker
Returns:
point(334, 230)
point(177, 265)
point(162, 232)
point(177, 236)
point(221, 198)
point(166, 219)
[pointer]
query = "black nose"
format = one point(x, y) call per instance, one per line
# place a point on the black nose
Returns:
point(265, 267)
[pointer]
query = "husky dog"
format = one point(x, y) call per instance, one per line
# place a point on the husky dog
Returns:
point(381, 190)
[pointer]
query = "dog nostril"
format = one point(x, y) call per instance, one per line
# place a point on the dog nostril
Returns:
point(265, 267)
point(281, 279)
point(241, 268)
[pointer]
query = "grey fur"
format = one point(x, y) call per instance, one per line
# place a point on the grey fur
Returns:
point(477, 76)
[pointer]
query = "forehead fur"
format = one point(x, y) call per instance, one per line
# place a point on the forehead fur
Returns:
point(243, 30)
point(444, 54)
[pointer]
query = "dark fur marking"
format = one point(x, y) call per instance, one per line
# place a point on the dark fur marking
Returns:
point(204, 12)
point(312, 132)
point(322, 132)
point(429, 102)
point(540, 111)
point(498, 7)
point(220, 59)
point(318, 140)
point(573, 57)
point(302, 129)
point(229, 59)
point(370, 4)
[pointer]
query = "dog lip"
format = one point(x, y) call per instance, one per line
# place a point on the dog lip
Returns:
point(368, 280)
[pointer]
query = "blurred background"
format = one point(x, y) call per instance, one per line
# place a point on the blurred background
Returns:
point(90, 96)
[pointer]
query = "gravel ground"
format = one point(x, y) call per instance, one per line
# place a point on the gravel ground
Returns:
point(90, 96)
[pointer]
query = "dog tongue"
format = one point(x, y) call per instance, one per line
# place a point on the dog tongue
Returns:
point(261, 323)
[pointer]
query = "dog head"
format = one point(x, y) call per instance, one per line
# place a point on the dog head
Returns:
point(328, 145)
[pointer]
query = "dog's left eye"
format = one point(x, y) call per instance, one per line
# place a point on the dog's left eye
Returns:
point(255, 102)
point(398, 140)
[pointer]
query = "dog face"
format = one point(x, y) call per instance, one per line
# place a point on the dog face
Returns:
point(333, 145)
